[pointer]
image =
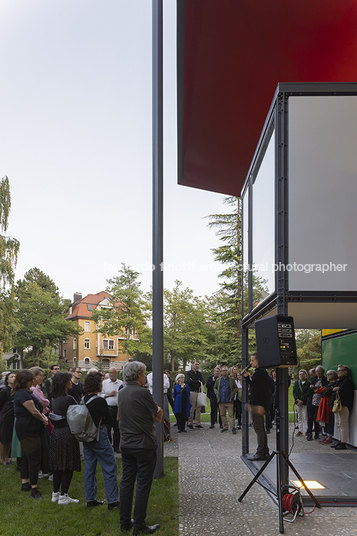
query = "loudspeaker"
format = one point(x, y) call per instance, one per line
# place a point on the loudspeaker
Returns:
point(275, 337)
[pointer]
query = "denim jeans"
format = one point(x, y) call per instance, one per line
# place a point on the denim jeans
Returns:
point(100, 451)
point(138, 464)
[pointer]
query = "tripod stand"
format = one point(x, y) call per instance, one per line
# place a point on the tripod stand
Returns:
point(280, 488)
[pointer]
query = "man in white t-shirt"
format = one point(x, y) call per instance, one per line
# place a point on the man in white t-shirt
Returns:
point(109, 392)
point(149, 379)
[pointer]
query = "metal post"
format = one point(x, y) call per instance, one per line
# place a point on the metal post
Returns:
point(157, 215)
point(282, 379)
point(245, 414)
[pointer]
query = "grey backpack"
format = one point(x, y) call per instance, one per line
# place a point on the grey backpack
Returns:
point(80, 422)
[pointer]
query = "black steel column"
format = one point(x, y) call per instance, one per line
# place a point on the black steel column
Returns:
point(282, 238)
point(157, 215)
point(245, 414)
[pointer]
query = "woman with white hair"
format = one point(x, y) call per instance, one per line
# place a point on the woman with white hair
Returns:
point(345, 388)
point(182, 404)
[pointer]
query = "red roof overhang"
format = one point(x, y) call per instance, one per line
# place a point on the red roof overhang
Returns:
point(231, 56)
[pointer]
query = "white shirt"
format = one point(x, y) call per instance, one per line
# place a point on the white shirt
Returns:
point(150, 382)
point(108, 387)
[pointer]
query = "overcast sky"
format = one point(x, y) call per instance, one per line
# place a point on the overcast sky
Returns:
point(75, 142)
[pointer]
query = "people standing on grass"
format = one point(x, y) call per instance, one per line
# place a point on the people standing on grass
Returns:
point(99, 450)
point(137, 414)
point(109, 392)
point(30, 422)
point(6, 418)
point(64, 447)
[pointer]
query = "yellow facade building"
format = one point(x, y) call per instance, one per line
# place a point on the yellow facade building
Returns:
point(91, 348)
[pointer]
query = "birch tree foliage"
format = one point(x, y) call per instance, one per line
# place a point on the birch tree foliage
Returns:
point(9, 248)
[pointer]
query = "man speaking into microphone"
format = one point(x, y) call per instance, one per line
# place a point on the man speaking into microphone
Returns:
point(258, 405)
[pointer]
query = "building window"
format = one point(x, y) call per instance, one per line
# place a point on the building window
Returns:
point(108, 344)
point(65, 354)
point(87, 360)
point(86, 326)
point(86, 344)
point(106, 363)
point(74, 344)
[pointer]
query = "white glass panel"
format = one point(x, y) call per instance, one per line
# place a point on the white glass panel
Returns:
point(245, 250)
point(322, 193)
point(264, 226)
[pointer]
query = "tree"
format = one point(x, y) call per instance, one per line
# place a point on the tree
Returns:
point(9, 248)
point(308, 348)
point(125, 315)
point(41, 314)
point(226, 304)
point(185, 326)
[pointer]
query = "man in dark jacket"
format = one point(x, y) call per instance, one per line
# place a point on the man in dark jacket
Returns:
point(212, 397)
point(319, 381)
point(194, 380)
point(258, 405)
point(301, 392)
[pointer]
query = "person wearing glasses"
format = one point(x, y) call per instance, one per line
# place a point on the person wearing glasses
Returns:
point(48, 383)
point(345, 388)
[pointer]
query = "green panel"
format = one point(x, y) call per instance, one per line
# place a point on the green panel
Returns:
point(341, 350)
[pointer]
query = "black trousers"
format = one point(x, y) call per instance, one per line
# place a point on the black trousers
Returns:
point(258, 425)
point(214, 409)
point(113, 410)
point(139, 465)
point(31, 458)
point(181, 421)
point(311, 420)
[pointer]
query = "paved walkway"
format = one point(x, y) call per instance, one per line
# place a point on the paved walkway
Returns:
point(212, 476)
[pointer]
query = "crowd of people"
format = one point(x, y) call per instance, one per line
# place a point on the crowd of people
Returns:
point(34, 429)
point(315, 399)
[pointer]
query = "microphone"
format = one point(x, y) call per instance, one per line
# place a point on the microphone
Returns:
point(245, 369)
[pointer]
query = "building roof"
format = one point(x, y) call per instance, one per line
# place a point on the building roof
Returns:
point(83, 308)
point(231, 57)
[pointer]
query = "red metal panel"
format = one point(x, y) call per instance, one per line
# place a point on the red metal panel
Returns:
point(235, 54)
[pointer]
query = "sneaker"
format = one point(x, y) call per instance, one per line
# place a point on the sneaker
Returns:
point(66, 499)
point(224, 430)
point(198, 426)
point(35, 494)
point(190, 426)
point(234, 431)
point(55, 496)
point(50, 478)
point(309, 437)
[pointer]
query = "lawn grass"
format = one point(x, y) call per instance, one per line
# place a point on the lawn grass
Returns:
point(206, 417)
point(22, 516)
